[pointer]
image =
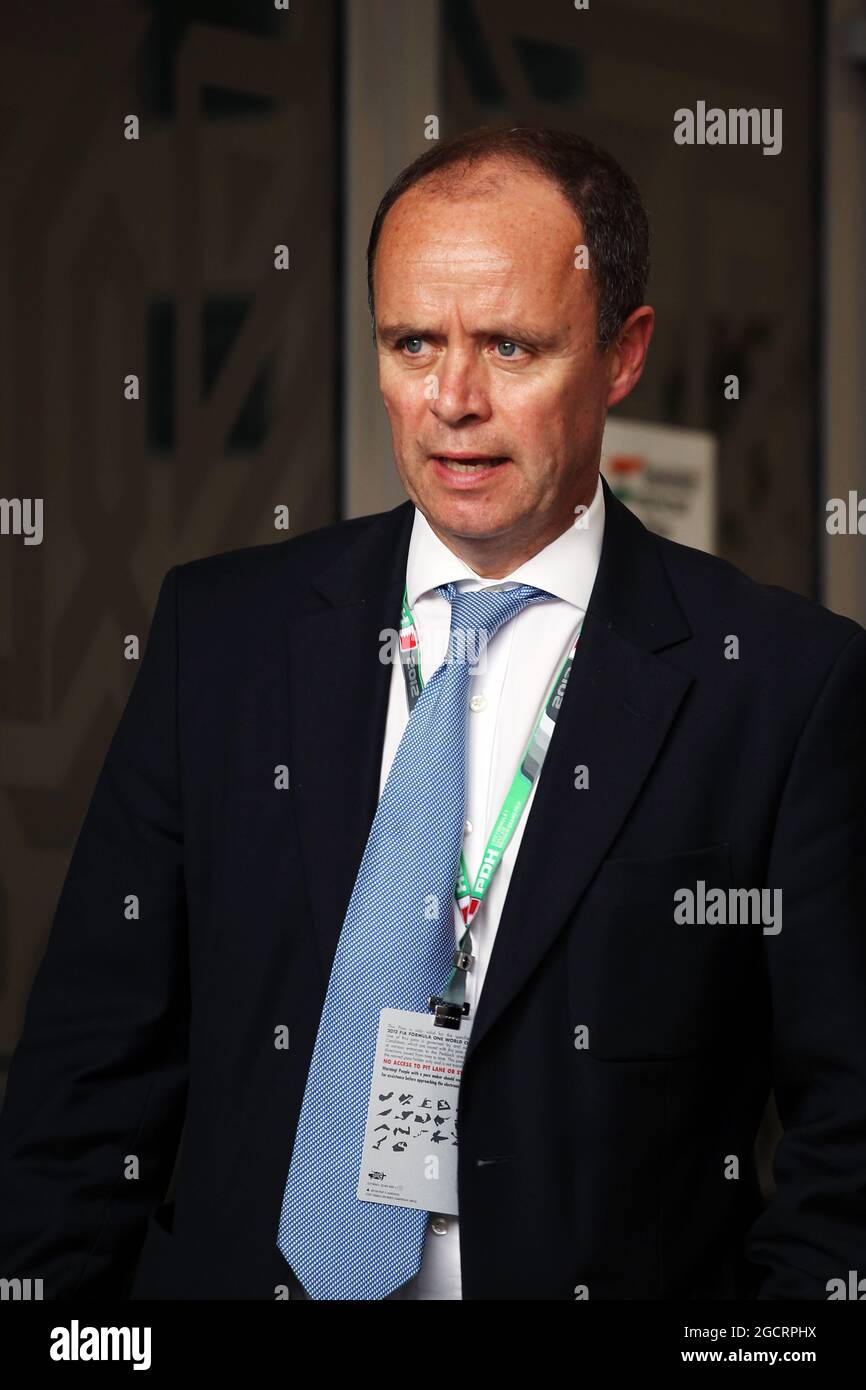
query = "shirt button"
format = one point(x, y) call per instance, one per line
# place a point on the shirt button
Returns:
point(440, 1225)
point(467, 827)
point(478, 702)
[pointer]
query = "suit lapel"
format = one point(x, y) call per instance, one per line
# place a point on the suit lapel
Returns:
point(619, 705)
point(338, 694)
point(620, 702)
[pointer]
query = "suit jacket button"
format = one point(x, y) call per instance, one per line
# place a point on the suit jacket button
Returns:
point(440, 1225)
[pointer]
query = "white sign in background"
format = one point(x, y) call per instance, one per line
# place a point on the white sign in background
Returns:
point(666, 475)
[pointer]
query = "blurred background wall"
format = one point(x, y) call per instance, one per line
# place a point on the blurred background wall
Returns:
point(258, 127)
point(151, 257)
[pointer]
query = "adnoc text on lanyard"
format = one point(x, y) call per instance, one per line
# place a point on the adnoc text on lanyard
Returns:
point(450, 1007)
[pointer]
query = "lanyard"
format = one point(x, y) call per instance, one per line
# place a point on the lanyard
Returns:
point(452, 1005)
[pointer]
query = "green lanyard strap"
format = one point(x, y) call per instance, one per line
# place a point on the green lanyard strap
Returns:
point(516, 798)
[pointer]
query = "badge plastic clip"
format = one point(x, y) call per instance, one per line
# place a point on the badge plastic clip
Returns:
point(446, 1015)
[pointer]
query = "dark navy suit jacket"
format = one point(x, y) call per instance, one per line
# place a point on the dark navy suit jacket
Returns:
point(606, 1167)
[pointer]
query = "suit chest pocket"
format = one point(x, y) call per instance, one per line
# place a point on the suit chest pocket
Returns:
point(646, 986)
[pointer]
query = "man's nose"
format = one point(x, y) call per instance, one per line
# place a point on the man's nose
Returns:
point(459, 390)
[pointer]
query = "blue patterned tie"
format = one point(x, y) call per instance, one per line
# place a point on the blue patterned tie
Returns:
point(389, 955)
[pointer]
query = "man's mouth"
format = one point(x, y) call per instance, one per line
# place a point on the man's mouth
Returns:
point(467, 463)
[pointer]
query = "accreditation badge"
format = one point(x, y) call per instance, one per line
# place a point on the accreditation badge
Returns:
point(410, 1150)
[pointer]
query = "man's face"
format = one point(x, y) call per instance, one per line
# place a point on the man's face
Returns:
point(486, 340)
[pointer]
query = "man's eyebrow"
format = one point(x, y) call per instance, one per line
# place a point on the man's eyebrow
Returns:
point(508, 332)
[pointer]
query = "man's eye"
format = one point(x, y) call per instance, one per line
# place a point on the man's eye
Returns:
point(414, 346)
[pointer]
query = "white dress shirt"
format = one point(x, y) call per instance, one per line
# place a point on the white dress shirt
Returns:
point(504, 700)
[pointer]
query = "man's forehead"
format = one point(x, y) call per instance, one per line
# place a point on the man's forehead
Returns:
point(448, 240)
point(488, 265)
point(495, 243)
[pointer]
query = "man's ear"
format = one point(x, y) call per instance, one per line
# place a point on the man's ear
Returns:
point(629, 353)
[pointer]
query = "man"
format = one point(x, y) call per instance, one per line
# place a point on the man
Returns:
point(647, 726)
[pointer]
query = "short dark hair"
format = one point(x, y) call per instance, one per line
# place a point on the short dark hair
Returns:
point(604, 196)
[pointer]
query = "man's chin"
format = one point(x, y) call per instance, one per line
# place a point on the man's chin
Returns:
point(468, 519)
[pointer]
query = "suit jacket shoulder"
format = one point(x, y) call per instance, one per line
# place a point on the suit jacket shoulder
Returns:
point(782, 635)
point(247, 571)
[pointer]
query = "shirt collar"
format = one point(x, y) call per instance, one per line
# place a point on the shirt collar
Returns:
point(566, 567)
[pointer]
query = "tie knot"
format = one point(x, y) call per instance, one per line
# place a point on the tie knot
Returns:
point(477, 614)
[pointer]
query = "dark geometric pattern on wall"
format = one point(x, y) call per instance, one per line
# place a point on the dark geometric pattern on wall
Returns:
point(153, 257)
point(734, 231)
